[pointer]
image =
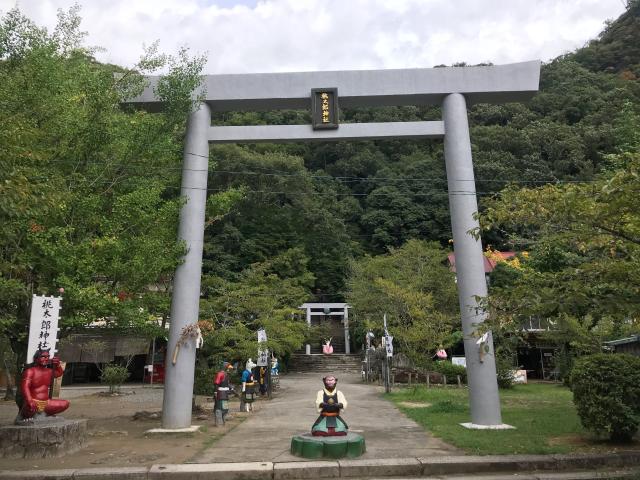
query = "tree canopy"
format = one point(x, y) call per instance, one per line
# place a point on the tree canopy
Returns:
point(415, 287)
point(583, 244)
point(88, 190)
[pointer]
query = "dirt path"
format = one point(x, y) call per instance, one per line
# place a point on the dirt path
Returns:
point(266, 435)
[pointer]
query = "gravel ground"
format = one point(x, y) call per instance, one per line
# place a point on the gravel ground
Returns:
point(118, 428)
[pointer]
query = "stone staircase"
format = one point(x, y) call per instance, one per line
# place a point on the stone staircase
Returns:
point(318, 363)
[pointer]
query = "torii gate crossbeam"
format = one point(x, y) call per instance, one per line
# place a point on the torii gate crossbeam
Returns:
point(452, 88)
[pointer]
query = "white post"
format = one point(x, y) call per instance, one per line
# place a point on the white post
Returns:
point(308, 347)
point(347, 348)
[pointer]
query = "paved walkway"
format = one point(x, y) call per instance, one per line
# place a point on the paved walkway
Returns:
point(266, 435)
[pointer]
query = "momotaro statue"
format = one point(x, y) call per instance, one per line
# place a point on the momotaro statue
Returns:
point(34, 387)
point(329, 437)
point(329, 402)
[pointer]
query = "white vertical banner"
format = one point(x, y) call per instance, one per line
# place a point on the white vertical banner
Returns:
point(389, 345)
point(43, 326)
point(263, 358)
point(263, 353)
point(262, 335)
point(388, 339)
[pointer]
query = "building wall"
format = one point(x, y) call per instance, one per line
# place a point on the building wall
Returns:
point(630, 348)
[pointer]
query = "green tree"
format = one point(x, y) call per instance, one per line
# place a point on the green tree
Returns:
point(88, 190)
point(415, 288)
point(283, 207)
point(407, 200)
point(616, 48)
point(265, 295)
point(581, 272)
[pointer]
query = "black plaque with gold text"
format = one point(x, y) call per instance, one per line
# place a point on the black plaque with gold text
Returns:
point(324, 108)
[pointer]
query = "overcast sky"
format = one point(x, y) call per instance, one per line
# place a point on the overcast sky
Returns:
point(248, 36)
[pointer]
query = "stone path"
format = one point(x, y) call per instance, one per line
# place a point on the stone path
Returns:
point(266, 435)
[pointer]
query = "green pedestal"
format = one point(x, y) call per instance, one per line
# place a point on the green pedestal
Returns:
point(306, 445)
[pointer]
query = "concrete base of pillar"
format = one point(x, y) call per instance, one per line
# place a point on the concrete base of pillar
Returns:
point(191, 429)
point(475, 426)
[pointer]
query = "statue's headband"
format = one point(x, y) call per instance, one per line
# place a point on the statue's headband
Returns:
point(40, 353)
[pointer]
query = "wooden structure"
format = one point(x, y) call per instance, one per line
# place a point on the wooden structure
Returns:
point(630, 345)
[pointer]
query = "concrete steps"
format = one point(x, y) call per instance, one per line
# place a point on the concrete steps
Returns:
point(325, 363)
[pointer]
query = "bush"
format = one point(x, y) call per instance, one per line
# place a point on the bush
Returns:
point(606, 392)
point(203, 382)
point(563, 360)
point(504, 370)
point(114, 376)
point(450, 370)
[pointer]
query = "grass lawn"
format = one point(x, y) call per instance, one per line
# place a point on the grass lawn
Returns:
point(543, 414)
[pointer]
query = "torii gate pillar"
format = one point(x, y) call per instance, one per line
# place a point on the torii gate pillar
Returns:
point(185, 300)
point(472, 284)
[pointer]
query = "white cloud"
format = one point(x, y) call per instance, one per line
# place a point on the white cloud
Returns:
point(288, 35)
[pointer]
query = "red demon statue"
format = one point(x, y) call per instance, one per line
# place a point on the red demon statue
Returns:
point(34, 387)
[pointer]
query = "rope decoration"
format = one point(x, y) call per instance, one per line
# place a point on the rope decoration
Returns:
point(190, 332)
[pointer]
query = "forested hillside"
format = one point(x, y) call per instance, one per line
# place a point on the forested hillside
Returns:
point(89, 195)
point(617, 49)
point(580, 240)
point(336, 200)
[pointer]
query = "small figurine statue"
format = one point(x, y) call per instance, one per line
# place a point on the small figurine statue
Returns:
point(34, 388)
point(248, 388)
point(222, 389)
point(262, 380)
point(368, 339)
point(275, 373)
point(327, 348)
point(441, 353)
point(329, 402)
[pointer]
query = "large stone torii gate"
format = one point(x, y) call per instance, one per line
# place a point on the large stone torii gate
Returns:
point(452, 88)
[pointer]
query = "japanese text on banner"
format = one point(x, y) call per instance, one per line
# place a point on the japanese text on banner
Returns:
point(43, 326)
